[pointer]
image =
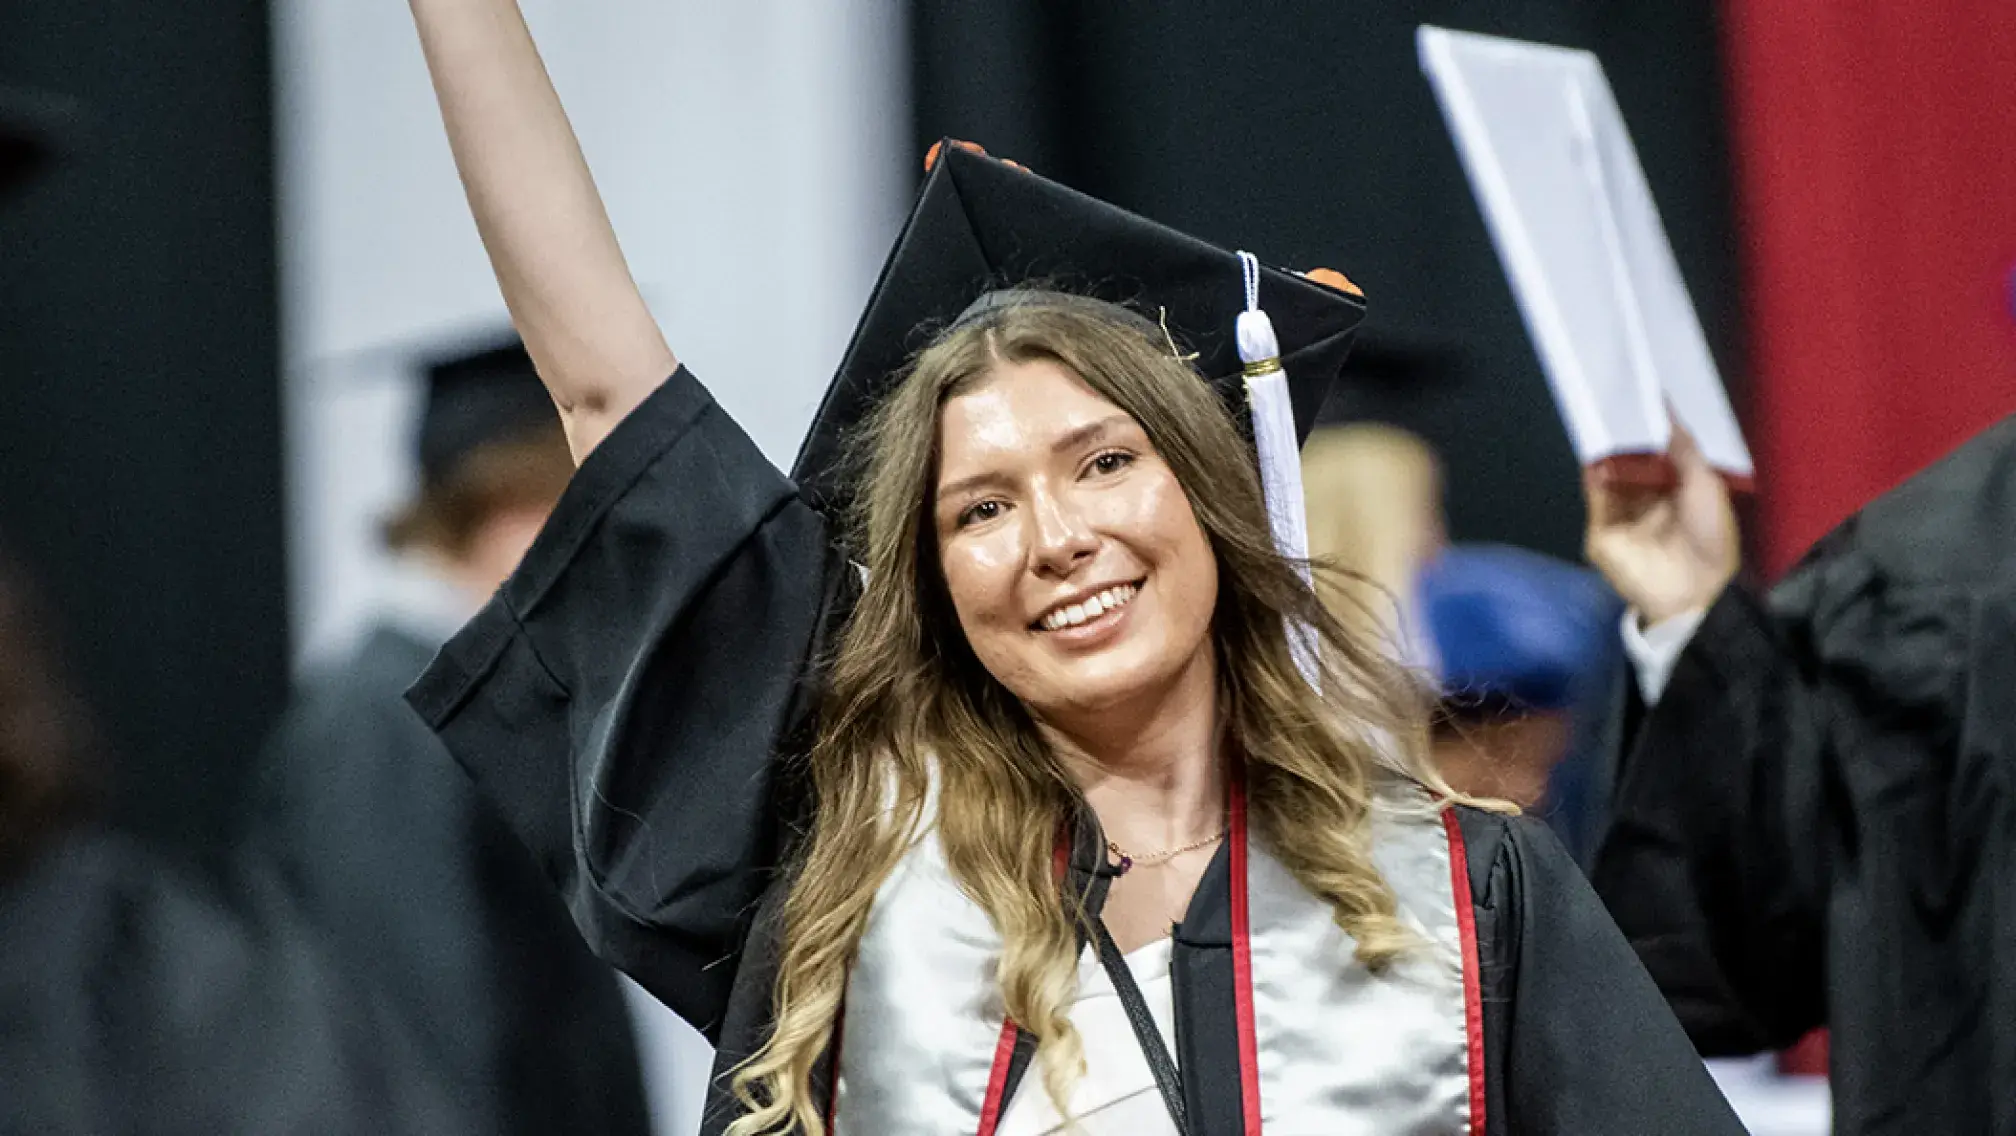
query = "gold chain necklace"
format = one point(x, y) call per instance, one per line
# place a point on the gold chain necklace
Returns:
point(1127, 861)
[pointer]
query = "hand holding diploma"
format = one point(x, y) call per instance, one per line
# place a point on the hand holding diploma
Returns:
point(1668, 547)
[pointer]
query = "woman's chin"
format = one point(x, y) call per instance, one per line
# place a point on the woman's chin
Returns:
point(1107, 683)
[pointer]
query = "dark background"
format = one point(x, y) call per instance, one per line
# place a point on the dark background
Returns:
point(139, 396)
point(1305, 131)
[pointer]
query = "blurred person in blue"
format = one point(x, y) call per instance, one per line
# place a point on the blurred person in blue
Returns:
point(1523, 656)
point(1519, 644)
point(378, 835)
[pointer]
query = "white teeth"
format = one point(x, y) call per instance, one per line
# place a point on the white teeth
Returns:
point(1090, 609)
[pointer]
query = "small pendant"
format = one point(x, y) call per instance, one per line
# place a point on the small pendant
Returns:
point(1126, 862)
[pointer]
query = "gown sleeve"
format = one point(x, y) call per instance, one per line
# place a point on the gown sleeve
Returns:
point(631, 698)
point(1710, 860)
point(1583, 1041)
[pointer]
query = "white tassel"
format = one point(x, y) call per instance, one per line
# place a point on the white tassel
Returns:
point(1273, 410)
point(1256, 339)
point(1276, 445)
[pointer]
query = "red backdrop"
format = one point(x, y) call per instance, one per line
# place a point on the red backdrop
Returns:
point(1875, 150)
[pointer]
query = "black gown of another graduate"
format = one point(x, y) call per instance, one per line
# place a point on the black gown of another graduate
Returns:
point(634, 701)
point(138, 998)
point(1816, 824)
point(383, 845)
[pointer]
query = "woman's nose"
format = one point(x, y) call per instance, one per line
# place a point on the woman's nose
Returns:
point(1063, 538)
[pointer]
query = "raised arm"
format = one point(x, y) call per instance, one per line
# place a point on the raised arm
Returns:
point(1712, 857)
point(563, 275)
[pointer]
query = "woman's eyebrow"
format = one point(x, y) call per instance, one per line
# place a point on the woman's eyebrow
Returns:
point(1090, 432)
point(964, 485)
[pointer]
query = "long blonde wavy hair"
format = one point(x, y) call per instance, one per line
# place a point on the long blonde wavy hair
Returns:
point(908, 703)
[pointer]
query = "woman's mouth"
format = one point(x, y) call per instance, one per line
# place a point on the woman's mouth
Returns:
point(1091, 608)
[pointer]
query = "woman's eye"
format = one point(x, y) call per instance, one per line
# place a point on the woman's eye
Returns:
point(1112, 461)
point(979, 511)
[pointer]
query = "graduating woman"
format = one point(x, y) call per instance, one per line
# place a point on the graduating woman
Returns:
point(1007, 779)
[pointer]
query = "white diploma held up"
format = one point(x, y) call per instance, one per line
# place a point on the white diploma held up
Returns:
point(1573, 220)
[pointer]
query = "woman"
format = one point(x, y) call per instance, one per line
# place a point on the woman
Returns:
point(1050, 793)
point(1513, 637)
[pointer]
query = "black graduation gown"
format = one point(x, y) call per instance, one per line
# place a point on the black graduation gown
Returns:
point(634, 696)
point(384, 845)
point(135, 998)
point(1816, 824)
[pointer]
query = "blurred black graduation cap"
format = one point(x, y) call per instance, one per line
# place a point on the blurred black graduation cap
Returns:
point(476, 398)
point(981, 224)
point(31, 126)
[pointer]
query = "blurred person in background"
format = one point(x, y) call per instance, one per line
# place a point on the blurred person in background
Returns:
point(1814, 819)
point(137, 997)
point(1520, 644)
point(382, 840)
point(1516, 641)
point(1374, 497)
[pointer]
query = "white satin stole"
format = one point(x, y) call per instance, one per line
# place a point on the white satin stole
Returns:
point(1340, 1051)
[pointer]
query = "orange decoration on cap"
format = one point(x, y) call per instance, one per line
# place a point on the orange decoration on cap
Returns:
point(1331, 278)
point(931, 155)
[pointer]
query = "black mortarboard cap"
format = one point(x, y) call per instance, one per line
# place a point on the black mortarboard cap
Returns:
point(475, 399)
point(981, 224)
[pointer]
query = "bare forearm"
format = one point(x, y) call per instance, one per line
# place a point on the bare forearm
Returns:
point(549, 239)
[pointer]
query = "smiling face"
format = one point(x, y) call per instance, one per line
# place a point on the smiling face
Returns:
point(1080, 576)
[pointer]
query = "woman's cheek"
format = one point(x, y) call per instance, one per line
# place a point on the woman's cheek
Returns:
point(1158, 514)
point(980, 573)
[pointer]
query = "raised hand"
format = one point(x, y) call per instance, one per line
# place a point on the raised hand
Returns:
point(1668, 548)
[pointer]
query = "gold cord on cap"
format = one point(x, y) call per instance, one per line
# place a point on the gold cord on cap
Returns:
point(1162, 315)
